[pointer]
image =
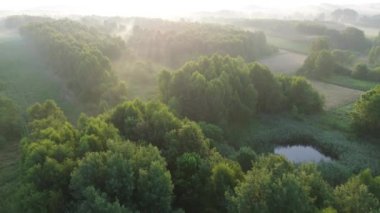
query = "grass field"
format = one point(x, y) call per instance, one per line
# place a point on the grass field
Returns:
point(336, 96)
point(349, 82)
point(284, 62)
point(297, 46)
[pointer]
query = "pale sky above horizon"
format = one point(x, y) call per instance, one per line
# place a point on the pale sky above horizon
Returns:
point(147, 7)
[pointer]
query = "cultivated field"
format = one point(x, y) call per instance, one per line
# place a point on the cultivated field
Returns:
point(336, 96)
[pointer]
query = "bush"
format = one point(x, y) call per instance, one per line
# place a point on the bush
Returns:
point(301, 95)
point(361, 71)
point(366, 114)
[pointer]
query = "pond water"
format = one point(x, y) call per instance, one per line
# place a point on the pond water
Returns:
point(301, 154)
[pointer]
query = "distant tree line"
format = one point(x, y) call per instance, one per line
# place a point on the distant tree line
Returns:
point(80, 55)
point(173, 43)
point(348, 39)
point(17, 21)
point(324, 62)
point(221, 89)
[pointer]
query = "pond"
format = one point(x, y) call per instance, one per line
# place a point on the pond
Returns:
point(301, 154)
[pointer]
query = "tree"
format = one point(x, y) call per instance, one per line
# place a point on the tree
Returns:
point(271, 185)
point(10, 120)
point(301, 95)
point(374, 56)
point(152, 122)
point(245, 157)
point(82, 60)
point(318, 65)
point(366, 113)
point(269, 97)
point(88, 168)
point(319, 44)
point(360, 71)
point(355, 197)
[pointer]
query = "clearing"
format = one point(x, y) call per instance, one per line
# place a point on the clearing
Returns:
point(336, 96)
point(284, 62)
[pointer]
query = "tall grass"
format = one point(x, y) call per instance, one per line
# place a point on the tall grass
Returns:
point(329, 132)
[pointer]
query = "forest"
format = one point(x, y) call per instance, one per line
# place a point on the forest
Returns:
point(138, 114)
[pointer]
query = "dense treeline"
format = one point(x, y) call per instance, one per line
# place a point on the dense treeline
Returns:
point(350, 38)
point(170, 167)
point(221, 89)
point(80, 56)
point(10, 119)
point(324, 62)
point(173, 43)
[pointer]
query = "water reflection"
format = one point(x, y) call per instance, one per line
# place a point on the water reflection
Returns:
point(301, 154)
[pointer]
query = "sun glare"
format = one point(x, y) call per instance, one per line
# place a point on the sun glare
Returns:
point(163, 8)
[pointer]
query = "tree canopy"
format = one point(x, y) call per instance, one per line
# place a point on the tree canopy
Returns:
point(80, 55)
point(366, 114)
point(173, 43)
point(220, 89)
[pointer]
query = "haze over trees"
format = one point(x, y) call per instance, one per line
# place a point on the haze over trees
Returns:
point(82, 61)
point(201, 122)
point(173, 43)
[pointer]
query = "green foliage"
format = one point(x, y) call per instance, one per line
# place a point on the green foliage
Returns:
point(361, 71)
point(334, 173)
point(10, 119)
point(269, 96)
point(214, 89)
point(191, 179)
point(374, 56)
point(89, 168)
point(173, 43)
point(300, 94)
point(354, 39)
point(94, 201)
point(310, 28)
point(152, 122)
point(82, 61)
point(123, 176)
point(372, 182)
point(366, 114)
point(349, 82)
point(275, 185)
point(354, 196)
point(343, 57)
point(245, 157)
point(222, 90)
point(319, 44)
point(318, 65)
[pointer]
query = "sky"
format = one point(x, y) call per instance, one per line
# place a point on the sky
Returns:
point(157, 7)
